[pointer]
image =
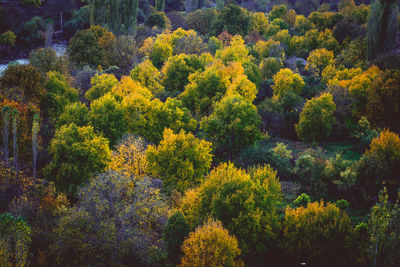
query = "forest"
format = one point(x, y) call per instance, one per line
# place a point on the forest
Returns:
point(199, 133)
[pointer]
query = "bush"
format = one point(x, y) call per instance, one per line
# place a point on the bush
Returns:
point(302, 200)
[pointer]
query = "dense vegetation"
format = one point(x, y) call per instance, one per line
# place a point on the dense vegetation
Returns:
point(202, 133)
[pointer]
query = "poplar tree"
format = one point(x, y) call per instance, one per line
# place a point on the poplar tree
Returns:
point(382, 27)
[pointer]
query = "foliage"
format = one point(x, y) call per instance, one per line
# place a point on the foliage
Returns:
point(384, 227)
point(232, 126)
point(201, 20)
point(383, 100)
point(209, 86)
point(120, 16)
point(127, 87)
point(22, 82)
point(245, 202)
point(8, 38)
point(160, 52)
point(175, 231)
point(107, 117)
point(176, 72)
point(157, 19)
point(148, 76)
point(74, 113)
point(318, 60)
point(316, 119)
point(59, 94)
point(380, 164)
point(232, 19)
point(92, 47)
point(46, 59)
point(117, 221)
point(77, 154)
point(302, 200)
point(15, 240)
point(383, 23)
point(101, 85)
point(181, 160)
point(129, 158)
point(319, 233)
point(286, 80)
point(210, 245)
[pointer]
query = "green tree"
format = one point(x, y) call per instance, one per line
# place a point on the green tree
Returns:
point(8, 38)
point(148, 76)
point(232, 19)
point(382, 26)
point(176, 72)
point(101, 85)
point(384, 229)
point(245, 202)
point(59, 94)
point(46, 59)
point(316, 118)
point(210, 245)
point(77, 113)
point(175, 231)
point(232, 126)
point(107, 117)
point(160, 52)
point(77, 154)
point(317, 234)
point(120, 16)
point(181, 160)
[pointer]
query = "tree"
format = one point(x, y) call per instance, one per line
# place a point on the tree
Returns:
point(15, 240)
point(285, 80)
point(129, 158)
point(383, 98)
point(46, 59)
point(232, 19)
point(316, 118)
point(384, 227)
point(127, 86)
point(382, 27)
point(77, 154)
point(175, 231)
point(317, 234)
point(22, 82)
point(210, 245)
point(59, 94)
point(101, 85)
point(232, 126)
point(181, 160)
point(245, 202)
point(160, 52)
point(148, 76)
point(92, 47)
point(380, 165)
point(176, 72)
point(207, 87)
point(74, 113)
point(8, 38)
point(107, 117)
point(116, 221)
point(303, 25)
point(318, 60)
point(120, 16)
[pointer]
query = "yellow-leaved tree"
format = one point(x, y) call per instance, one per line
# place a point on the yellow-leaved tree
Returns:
point(211, 245)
